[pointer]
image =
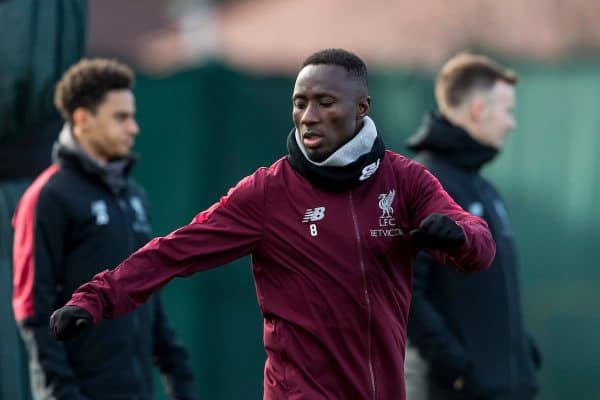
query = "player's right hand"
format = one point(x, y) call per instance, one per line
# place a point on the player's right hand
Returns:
point(68, 321)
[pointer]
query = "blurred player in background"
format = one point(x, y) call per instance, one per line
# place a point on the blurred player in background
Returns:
point(467, 339)
point(81, 214)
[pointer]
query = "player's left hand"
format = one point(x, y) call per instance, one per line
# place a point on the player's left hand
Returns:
point(68, 321)
point(438, 231)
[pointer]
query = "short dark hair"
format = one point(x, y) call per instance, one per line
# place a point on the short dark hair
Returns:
point(352, 63)
point(465, 72)
point(86, 83)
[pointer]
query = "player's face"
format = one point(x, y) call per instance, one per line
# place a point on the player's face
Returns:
point(109, 132)
point(328, 108)
point(497, 119)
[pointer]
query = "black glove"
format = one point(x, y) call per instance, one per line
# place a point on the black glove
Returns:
point(68, 321)
point(438, 231)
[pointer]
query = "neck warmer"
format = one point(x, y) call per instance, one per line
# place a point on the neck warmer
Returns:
point(353, 163)
point(114, 173)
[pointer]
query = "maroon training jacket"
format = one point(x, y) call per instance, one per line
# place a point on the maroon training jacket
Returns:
point(333, 272)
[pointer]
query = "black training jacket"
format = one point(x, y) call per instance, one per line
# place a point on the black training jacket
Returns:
point(470, 325)
point(73, 222)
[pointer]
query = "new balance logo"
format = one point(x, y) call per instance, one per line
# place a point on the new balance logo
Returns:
point(369, 170)
point(314, 214)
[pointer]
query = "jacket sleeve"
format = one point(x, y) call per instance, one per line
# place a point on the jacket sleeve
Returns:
point(170, 357)
point(40, 225)
point(228, 230)
point(428, 197)
point(427, 329)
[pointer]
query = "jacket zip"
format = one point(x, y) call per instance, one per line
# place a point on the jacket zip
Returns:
point(123, 206)
point(125, 210)
point(366, 295)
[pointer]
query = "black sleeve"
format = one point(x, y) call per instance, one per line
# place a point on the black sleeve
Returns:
point(40, 225)
point(170, 357)
point(428, 331)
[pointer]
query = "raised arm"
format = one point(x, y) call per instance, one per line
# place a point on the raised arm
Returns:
point(478, 248)
point(228, 230)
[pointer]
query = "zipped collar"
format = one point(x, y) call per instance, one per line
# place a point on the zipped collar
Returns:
point(450, 142)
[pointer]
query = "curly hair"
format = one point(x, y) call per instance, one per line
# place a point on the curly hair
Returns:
point(86, 83)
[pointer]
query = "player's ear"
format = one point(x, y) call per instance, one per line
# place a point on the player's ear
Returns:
point(475, 109)
point(364, 105)
point(81, 117)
